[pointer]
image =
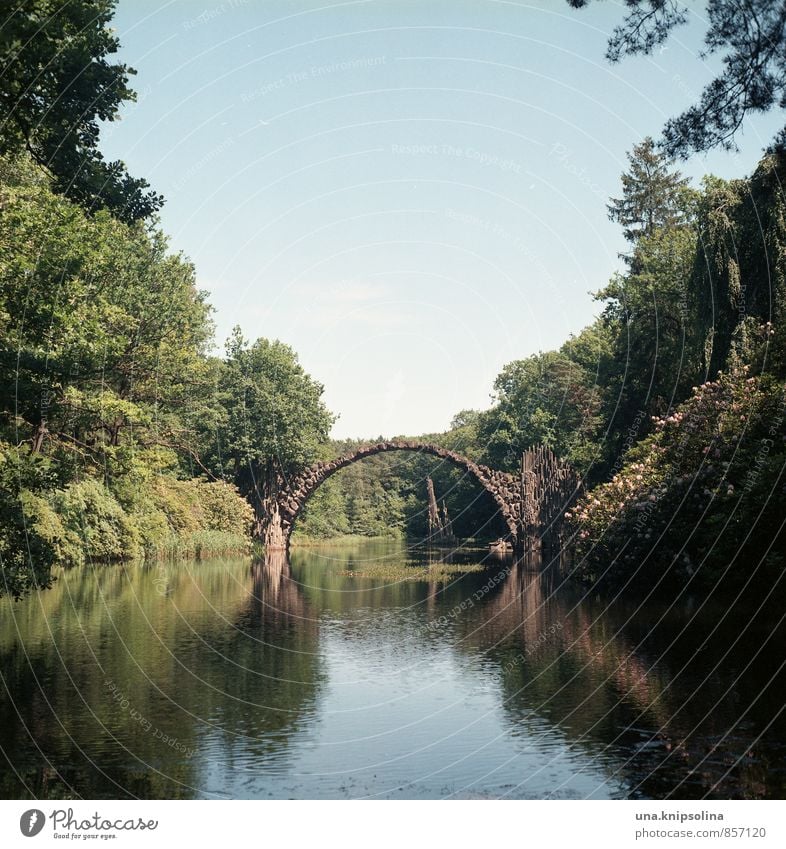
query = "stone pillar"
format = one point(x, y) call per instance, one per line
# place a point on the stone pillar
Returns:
point(434, 523)
point(274, 536)
point(527, 490)
point(272, 528)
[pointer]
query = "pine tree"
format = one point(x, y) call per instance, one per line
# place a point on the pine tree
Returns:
point(653, 195)
point(750, 37)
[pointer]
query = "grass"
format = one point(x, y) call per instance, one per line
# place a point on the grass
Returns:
point(200, 545)
point(412, 571)
point(348, 539)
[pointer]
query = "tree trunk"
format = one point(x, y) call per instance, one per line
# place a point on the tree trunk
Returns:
point(39, 436)
point(114, 432)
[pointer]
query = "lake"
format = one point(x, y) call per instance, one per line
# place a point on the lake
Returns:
point(371, 670)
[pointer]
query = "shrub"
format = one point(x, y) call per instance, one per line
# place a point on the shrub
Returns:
point(195, 518)
point(152, 515)
point(26, 557)
point(91, 515)
point(700, 500)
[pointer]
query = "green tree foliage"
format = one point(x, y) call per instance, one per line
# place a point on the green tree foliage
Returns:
point(102, 330)
point(25, 558)
point(546, 399)
point(698, 501)
point(326, 514)
point(654, 196)
point(275, 410)
point(375, 507)
point(551, 398)
point(649, 316)
point(105, 391)
point(653, 357)
point(274, 421)
point(740, 274)
point(57, 86)
point(751, 37)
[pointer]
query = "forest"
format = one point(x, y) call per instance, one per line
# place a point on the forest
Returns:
point(125, 435)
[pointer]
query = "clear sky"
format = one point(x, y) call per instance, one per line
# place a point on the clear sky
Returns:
point(411, 193)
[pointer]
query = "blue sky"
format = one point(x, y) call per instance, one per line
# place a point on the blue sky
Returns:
point(411, 193)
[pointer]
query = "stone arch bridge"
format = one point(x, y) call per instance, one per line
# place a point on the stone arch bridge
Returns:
point(531, 502)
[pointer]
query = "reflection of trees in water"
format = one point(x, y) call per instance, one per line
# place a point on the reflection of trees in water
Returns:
point(273, 648)
point(62, 727)
point(223, 659)
point(149, 671)
point(580, 666)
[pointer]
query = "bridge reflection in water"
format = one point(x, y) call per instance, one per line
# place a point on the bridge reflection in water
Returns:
point(386, 672)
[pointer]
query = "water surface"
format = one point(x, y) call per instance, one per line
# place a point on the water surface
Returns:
point(382, 672)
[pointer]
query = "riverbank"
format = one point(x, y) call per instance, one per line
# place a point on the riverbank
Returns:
point(137, 518)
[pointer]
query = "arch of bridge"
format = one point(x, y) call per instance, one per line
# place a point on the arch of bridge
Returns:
point(503, 487)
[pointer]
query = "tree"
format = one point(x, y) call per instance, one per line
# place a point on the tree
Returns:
point(752, 36)
point(275, 419)
point(649, 308)
point(57, 85)
point(464, 419)
point(653, 195)
point(104, 384)
point(739, 279)
point(26, 558)
point(100, 327)
point(549, 398)
point(649, 313)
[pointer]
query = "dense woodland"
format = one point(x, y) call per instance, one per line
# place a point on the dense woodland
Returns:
point(124, 433)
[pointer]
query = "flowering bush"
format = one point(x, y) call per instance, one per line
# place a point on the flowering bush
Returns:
point(700, 500)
